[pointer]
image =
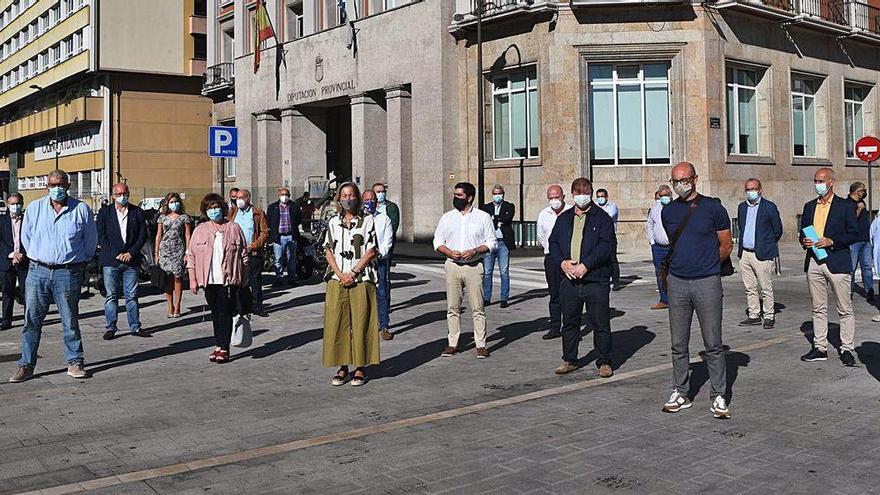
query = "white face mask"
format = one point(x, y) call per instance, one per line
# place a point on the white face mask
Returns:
point(284, 199)
point(582, 200)
point(555, 203)
point(240, 203)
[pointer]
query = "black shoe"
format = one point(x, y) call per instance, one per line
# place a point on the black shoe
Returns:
point(277, 283)
point(261, 313)
point(141, 333)
point(768, 324)
point(486, 302)
point(109, 335)
point(847, 359)
point(815, 355)
point(870, 295)
point(552, 334)
point(504, 304)
point(5, 325)
point(616, 287)
point(749, 322)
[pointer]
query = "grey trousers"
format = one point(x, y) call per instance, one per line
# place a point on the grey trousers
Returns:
point(705, 296)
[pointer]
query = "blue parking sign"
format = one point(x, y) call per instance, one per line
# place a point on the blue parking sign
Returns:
point(222, 142)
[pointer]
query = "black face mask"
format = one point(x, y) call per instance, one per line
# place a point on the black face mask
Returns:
point(459, 203)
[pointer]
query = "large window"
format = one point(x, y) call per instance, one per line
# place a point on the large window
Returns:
point(742, 111)
point(629, 114)
point(853, 98)
point(515, 110)
point(295, 20)
point(803, 116)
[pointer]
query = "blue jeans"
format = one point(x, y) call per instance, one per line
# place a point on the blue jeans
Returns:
point(43, 286)
point(121, 281)
point(383, 292)
point(861, 254)
point(658, 254)
point(503, 255)
point(285, 254)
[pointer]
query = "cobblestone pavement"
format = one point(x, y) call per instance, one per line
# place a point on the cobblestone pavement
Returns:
point(159, 404)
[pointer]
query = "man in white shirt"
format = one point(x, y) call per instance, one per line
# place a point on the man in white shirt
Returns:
point(464, 235)
point(546, 221)
point(611, 209)
point(385, 241)
point(659, 239)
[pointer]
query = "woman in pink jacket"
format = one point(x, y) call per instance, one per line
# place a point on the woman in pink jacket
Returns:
point(216, 258)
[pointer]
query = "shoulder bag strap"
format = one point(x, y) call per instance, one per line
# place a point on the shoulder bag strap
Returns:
point(677, 234)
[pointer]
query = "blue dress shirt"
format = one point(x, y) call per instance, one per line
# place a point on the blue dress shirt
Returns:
point(69, 236)
point(748, 234)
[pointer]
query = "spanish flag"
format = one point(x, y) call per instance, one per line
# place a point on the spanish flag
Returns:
point(262, 30)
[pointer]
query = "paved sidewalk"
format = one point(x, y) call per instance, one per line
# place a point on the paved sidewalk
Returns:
point(154, 403)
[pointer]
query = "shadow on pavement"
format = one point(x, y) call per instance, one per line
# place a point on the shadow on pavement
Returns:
point(427, 297)
point(286, 343)
point(833, 333)
point(410, 359)
point(624, 345)
point(869, 355)
point(700, 374)
point(421, 320)
point(510, 333)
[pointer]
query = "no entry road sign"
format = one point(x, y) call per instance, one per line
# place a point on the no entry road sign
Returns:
point(868, 149)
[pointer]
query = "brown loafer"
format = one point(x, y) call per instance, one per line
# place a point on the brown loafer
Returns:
point(605, 371)
point(566, 367)
point(449, 351)
point(386, 335)
point(482, 353)
point(660, 305)
point(23, 374)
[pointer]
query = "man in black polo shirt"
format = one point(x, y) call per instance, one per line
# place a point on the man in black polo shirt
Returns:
point(700, 240)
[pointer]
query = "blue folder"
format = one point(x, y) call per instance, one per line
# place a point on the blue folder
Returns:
point(810, 233)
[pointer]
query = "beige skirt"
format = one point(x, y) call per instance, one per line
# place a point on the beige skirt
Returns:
point(351, 325)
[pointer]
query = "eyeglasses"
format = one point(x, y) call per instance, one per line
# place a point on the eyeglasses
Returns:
point(678, 182)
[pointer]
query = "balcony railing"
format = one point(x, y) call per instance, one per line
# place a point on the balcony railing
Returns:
point(863, 16)
point(218, 77)
point(856, 14)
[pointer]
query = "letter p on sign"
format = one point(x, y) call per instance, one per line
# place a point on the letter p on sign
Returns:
point(222, 142)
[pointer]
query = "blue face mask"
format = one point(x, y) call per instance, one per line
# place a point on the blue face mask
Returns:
point(665, 200)
point(215, 214)
point(380, 197)
point(370, 206)
point(601, 201)
point(174, 205)
point(752, 195)
point(122, 200)
point(497, 198)
point(57, 193)
point(821, 189)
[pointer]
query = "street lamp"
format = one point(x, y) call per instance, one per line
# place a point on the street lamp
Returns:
point(37, 87)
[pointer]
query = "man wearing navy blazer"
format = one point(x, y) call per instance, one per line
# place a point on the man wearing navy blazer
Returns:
point(760, 229)
point(581, 248)
point(834, 220)
point(122, 232)
point(13, 256)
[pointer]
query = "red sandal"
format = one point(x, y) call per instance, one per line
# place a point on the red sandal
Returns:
point(222, 357)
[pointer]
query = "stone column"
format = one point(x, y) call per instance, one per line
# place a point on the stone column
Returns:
point(368, 150)
point(399, 148)
point(266, 163)
point(303, 147)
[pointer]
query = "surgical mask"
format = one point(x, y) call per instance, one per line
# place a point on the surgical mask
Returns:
point(122, 200)
point(215, 214)
point(601, 201)
point(240, 203)
point(665, 200)
point(284, 199)
point(174, 205)
point(555, 203)
point(370, 206)
point(459, 203)
point(683, 189)
point(380, 197)
point(57, 193)
point(582, 200)
point(497, 198)
point(15, 209)
point(752, 196)
point(821, 189)
point(347, 204)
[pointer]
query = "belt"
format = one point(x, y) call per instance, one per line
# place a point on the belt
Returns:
point(748, 250)
point(65, 266)
point(472, 263)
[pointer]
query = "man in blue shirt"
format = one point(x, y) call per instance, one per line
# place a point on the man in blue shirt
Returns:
point(59, 236)
point(760, 230)
point(700, 240)
point(252, 221)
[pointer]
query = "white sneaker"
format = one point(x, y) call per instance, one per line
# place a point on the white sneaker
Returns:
point(676, 402)
point(876, 318)
point(719, 408)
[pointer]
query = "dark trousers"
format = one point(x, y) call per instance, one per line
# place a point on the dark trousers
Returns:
point(553, 275)
point(615, 265)
point(222, 300)
point(573, 296)
point(15, 273)
point(658, 254)
point(255, 281)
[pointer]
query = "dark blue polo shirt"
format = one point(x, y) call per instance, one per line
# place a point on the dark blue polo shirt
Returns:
point(696, 252)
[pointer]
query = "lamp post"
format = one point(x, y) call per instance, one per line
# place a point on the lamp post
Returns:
point(37, 87)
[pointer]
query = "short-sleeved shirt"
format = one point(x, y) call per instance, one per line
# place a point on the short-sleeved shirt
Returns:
point(696, 251)
point(350, 241)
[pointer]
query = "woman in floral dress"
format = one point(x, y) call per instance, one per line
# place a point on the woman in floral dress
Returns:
point(172, 239)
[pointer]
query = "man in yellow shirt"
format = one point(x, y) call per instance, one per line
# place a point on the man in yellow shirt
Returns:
point(834, 220)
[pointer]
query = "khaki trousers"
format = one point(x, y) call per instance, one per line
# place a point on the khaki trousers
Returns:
point(757, 276)
point(469, 278)
point(818, 279)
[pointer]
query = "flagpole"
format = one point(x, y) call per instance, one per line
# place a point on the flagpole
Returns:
point(271, 26)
